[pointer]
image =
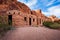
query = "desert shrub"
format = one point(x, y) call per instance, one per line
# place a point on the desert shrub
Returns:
point(4, 27)
point(46, 23)
point(53, 25)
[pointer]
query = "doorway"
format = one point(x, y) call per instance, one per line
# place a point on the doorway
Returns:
point(29, 21)
point(1, 1)
point(10, 19)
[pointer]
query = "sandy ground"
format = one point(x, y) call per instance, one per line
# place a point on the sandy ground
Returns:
point(32, 33)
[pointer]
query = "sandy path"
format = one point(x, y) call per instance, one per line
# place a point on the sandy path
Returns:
point(32, 33)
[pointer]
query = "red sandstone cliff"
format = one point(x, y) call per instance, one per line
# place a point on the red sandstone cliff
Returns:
point(13, 5)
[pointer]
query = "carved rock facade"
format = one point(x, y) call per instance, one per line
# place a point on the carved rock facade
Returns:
point(18, 14)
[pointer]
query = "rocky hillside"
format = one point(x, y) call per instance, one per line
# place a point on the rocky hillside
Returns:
point(13, 5)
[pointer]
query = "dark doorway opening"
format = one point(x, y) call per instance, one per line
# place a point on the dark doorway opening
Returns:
point(29, 21)
point(25, 18)
point(10, 19)
point(1, 1)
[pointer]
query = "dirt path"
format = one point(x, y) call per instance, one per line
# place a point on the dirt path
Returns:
point(32, 33)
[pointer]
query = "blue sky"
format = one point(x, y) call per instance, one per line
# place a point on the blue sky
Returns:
point(48, 7)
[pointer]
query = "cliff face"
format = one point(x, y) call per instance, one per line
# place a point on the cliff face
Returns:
point(13, 5)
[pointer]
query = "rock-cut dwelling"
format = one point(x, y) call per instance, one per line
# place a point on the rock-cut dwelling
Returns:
point(18, 14)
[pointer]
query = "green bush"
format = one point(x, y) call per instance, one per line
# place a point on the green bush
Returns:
point(55, 26)
point(4, 27)
point(46, 23)
point(52, 25)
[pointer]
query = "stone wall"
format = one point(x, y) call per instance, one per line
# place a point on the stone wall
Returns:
point(22, 19)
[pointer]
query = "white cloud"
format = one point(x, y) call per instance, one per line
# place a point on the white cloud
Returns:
point(50, 3)
point(46, 13)
point(30, 3)
point(55, 10)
